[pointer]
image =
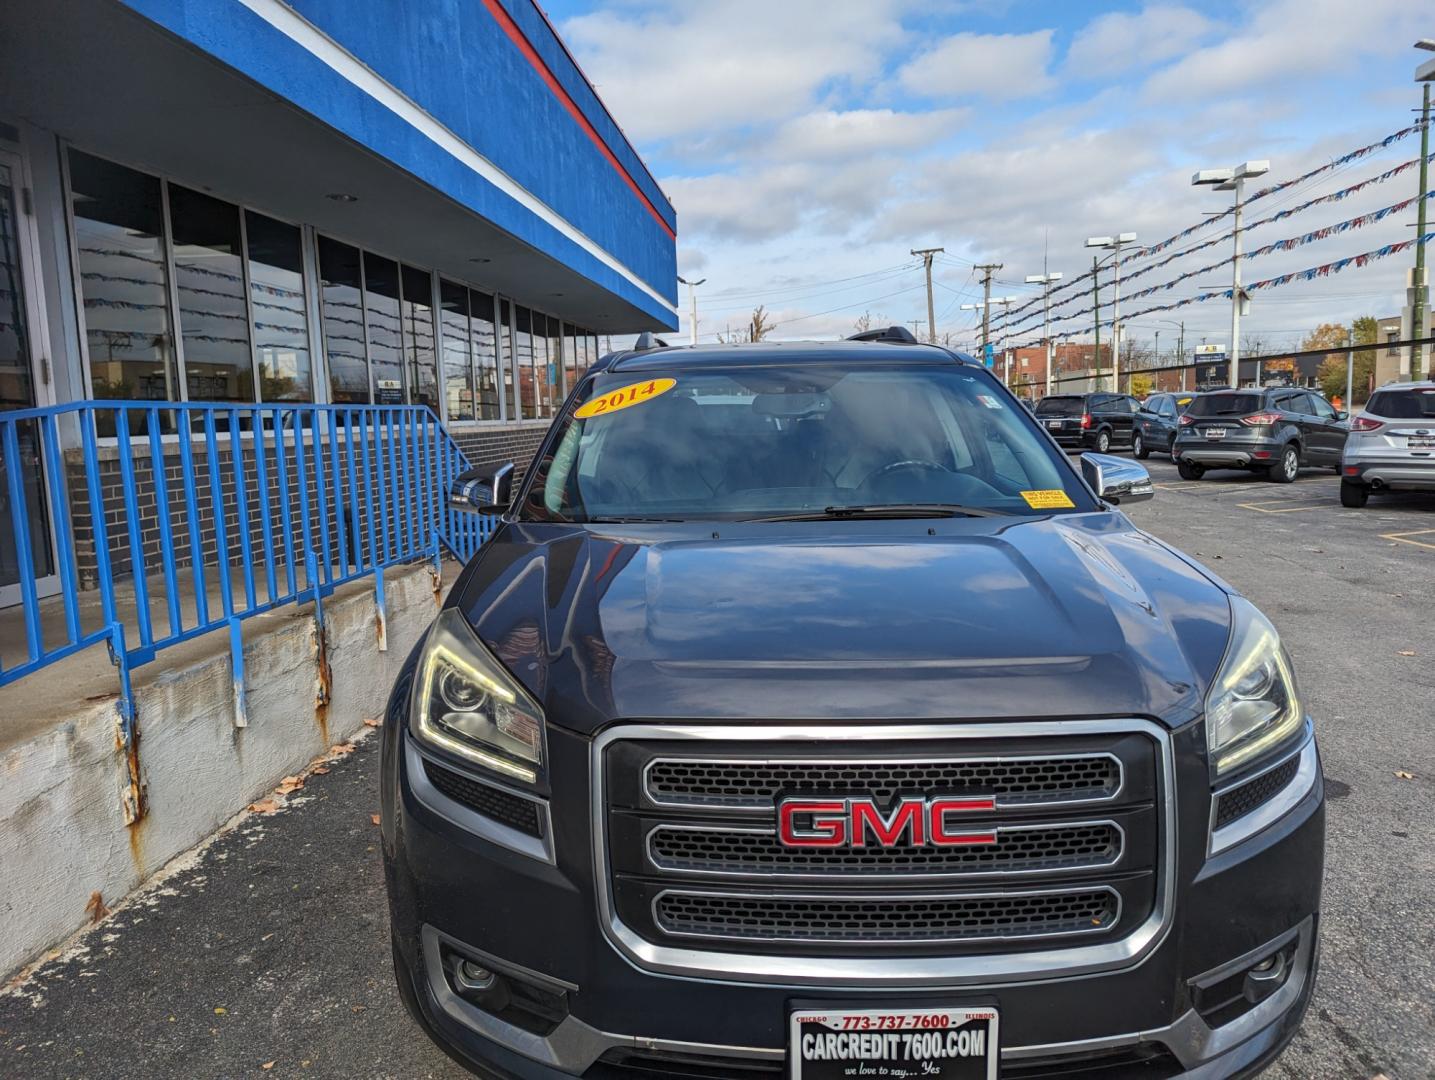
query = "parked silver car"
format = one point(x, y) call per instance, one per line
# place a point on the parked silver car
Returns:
point(1391, 446)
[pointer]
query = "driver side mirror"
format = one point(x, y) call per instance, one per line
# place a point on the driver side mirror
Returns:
point(483, 490)
point(1115, 479)
point(1341, 414)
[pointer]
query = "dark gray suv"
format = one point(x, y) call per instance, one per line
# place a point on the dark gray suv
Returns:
point(1276, 431)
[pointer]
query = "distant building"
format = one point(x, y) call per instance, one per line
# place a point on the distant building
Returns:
point(1387, 359)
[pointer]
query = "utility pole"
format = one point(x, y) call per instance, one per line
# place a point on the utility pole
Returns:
point(693, 297)
point(916, 325)
point(1096, 302)
point(988, 270)
point(1418, 304)
point(1234, 180)
point(1114, 244)
point(986, 307)
point(1349, 369)
point(927, 254)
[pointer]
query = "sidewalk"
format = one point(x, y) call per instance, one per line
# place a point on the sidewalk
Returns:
point(271, 947)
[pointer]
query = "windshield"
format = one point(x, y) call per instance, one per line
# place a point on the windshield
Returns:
point(1402, 404)
point(762, 442)
point(1224, 405)
point(1061, 406)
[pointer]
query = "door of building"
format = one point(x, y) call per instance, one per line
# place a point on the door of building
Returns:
point(21, 387)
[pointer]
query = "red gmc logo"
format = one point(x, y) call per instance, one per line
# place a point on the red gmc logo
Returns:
point(913, 821)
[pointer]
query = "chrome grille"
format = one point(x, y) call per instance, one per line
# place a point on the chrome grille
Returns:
point(861, 920)
point(757, 851)
point(1014, 781)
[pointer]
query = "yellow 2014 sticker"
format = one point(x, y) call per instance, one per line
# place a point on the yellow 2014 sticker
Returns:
point(623, 397)
point(1051, 499)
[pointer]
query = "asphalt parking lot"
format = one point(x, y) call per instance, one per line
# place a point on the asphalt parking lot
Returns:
point(266, 956)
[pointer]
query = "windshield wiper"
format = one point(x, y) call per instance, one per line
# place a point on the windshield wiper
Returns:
point(629, 520)
point(887, 510)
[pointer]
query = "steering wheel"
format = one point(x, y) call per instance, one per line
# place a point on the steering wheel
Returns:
point(902, 466)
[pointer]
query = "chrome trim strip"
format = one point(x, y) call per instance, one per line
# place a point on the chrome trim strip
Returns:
point(470, 820)
point(912, 971)
point(909, 876)
point(1003, 803)
point(891, 898)
point(1273, 809)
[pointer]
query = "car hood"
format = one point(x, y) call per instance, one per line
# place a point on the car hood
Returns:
point(1063, 616)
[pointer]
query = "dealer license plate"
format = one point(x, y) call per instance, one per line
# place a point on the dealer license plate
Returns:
point(1055, 425)
point(1215, 433)
point(941, 1044)
point(1421, 442)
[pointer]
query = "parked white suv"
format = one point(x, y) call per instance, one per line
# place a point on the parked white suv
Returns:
point(1391, 445)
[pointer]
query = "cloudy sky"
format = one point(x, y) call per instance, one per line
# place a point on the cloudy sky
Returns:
point(809, 144)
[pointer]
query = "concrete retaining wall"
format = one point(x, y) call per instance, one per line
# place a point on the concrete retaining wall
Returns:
point(62, 833)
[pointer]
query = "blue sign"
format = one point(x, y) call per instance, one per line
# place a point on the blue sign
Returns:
point(988, 355)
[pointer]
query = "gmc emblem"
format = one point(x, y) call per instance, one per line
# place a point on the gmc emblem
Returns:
point(914, 821)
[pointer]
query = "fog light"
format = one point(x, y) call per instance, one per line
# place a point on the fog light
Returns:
point(472, 978)
point(1260, 453)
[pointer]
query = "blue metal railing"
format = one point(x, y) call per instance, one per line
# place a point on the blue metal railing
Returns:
point(156, 507)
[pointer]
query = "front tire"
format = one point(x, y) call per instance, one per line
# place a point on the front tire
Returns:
point(1288, 468)
point(1138, 447)
point(1103, 442)
point(1190, 470)
point(1354, 496)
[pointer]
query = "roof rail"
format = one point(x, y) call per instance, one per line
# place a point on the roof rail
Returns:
point(646, 341)
point(899, 335)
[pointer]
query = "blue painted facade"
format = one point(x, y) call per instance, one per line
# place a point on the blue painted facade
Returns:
point(454, 60)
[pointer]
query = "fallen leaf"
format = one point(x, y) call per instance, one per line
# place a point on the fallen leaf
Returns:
point(1406, 652)
point(264, 806)
point(373, 723)
point(319, 770)
point(220, 1010)
point(1401, 774)
point(340, 749)
point(289, 784)
point(96, 909)
point(374, 818)
point(268, 1065)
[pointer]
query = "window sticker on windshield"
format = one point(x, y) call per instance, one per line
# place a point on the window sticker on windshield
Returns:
point(624, 396)
point(1051, 499)
point(989, 401)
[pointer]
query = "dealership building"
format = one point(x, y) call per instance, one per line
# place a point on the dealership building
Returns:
point(341, 201)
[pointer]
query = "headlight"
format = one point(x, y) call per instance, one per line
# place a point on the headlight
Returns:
point(1253, 705)
point(466, 703)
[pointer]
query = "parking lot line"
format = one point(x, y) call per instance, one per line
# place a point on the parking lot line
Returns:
point(1404, 537)
point(1265, 509)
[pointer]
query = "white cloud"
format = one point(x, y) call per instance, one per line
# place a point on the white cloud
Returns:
point(995, 66)
point(1122, 41)
point(666, 71)
point(829, 135)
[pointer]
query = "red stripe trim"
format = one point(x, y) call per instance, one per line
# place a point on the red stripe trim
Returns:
point(505, 20)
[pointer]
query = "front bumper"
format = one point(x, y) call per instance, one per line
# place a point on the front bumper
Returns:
point(537, 921)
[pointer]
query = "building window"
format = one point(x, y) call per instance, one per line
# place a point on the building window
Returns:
point(418, 338)
point(276, 296)
point(209, 282)
point(523, 362)
point(542, 388)
point(572, 358)
point(1391, 336)
point(507, 348)
point(118, 217)
point(341, 299)
point(485, 357)
point(457, 351)
point(381, 318)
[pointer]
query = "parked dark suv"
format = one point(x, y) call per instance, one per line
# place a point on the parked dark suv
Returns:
point(1089, 421)
point(809, 714)
point(1158, 422)
point(1273, 431)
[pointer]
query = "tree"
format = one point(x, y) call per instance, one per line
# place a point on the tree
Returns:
point(1141, 386)
point(759, 326)
point(863, 323)
point(1332, 369)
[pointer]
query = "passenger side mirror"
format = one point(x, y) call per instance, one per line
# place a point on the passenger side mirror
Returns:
point(483, 490)
point(1115, 479)
point(1341, 414)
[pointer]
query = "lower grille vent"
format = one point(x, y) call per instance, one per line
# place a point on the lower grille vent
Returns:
point(854, 919)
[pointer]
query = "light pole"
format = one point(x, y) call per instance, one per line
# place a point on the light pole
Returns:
point(1234, 180)
point(1114, 245)
point(1419, 305)
point(693, 298)
point(985, 308)
point(1045, 281)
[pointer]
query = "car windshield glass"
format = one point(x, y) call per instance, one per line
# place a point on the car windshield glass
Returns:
point(1061, 406)
point(1224, 405)
point(1402, 404)
point(762, 442)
